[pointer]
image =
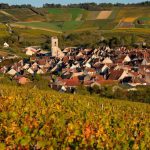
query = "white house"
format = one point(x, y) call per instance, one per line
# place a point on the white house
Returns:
point(6, 45)
point(30, 71)
point(26, 66)
point(40, 71)
point(127, 59)
point(88, 65)
point(31, 51)
point(12, 72)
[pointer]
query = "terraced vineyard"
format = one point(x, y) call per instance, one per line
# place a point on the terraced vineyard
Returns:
point(36, 119)
point(77, 19)
point(24, 14)
point(3, 31)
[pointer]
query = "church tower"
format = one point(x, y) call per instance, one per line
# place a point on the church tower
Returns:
point(56, 51)
point(54, 41)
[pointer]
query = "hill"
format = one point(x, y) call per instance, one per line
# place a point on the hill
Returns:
point(38, 119)
point(75, 19)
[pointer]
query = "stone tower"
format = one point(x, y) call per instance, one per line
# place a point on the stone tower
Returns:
point(54, 42)
point(56, 51)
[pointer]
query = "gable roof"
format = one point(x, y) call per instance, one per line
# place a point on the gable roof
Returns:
point(115, 74)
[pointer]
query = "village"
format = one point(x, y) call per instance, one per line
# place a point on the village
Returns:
point(71, 67)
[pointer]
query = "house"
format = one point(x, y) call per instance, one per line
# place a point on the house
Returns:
point(3, 69)
point(41, 62)
point(90, 71)
point(6, 45)
point(147, 77)
point(120, 75)
point(104, 69)
point(26, 66)
point(145, 61)
point(30, 70)
point(88, 65)
point(72, 82)
point(126, 59)
point(107, 60)
point(12, 72)
point(138, 81)
point(75, 74)
point(63, 89)
point(23, 80)
point(31, 51)
point(41, 71)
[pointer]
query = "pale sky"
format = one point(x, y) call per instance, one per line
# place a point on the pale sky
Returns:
point(41, 2)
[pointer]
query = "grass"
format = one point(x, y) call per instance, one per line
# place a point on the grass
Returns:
point(76, 12)
point(100, 24)
point(72, 25)
point(55, 11)
point(61, 14)
point(92, 15)
point(114, 13)
point(58, 26)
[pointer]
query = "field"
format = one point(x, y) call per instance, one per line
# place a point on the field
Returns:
point(77, 19)
point(24, 14)
point(134, 12)
point(104, 15)
point(44, 119)
point(56, 26)
point(129, 19)
point(61, 14)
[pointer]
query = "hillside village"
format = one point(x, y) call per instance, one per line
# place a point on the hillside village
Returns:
point(72, 66)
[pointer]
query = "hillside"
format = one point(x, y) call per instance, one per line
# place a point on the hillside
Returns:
point(39, 119)
point(75, 19)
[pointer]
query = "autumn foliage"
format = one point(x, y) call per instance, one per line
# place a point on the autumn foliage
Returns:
point(38, 119)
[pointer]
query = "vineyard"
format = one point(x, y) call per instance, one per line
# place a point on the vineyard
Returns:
point(38, 119)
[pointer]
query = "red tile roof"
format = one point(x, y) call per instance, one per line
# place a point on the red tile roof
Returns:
point(115, 74)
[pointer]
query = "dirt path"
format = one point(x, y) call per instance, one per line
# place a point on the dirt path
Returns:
point(7, 14)
point(23, 26)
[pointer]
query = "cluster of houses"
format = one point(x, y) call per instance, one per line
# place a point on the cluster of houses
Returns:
point(72, 67)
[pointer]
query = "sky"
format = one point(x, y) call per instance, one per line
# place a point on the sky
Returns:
point(39, 3)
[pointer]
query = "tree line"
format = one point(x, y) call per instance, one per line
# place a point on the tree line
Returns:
point(95, 6)
point(87, 6)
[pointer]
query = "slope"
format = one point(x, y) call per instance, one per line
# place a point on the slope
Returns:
point(42, 119)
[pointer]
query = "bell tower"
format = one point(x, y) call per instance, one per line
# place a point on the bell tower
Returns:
point(56, 51)
point(54, 42)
